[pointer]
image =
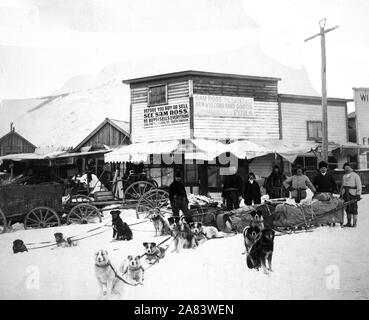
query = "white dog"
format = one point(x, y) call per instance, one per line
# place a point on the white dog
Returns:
point(105, 273)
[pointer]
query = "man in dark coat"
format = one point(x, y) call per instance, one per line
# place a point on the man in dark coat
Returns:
point(324, 181)
point(274, 184)
point(252, 191)
point(178, 196)
point(232, 189)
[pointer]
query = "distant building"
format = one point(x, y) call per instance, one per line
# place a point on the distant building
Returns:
point(13, 142)
point(352, 126)
point(109, 134)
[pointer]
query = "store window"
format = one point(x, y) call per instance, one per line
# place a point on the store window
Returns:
point(157, 95)
point(314, 130)
point(367, 160)
point(191, 175)
point(332, 163)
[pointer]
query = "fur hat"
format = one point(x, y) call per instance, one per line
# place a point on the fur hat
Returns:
point(323, 164)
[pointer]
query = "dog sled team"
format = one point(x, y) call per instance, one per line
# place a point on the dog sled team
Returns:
point(188, 234)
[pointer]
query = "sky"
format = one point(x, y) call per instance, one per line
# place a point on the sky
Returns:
point(44, 43)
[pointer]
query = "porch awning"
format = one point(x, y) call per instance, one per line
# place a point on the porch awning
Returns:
point(247, 149)
point(203, 149)
point(31, 156)
point(138, 152)
point(289, 150)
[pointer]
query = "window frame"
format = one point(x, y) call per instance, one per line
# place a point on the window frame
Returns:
point(149, 104)
point(307, 130)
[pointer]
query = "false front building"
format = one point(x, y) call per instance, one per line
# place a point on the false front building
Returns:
point(203, 122)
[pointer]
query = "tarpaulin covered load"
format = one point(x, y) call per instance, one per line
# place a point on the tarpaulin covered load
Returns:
point(319, 212)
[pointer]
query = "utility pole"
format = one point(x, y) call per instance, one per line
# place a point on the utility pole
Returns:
point(324, 86)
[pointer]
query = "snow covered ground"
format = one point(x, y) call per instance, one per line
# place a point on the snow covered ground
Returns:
point(329, 263)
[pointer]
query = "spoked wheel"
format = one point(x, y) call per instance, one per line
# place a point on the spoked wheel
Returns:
point(79, 198)
point(41, 217)
point(151, 201)
point(3, 223)
point(137, 189)
point(84, 213)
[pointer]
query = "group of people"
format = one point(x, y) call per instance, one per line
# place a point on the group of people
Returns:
point(277, 185)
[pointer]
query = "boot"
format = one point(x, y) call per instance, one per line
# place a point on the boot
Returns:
point(355, 221)
point(348, 224)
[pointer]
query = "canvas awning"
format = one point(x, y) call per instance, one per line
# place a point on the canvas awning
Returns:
point(137, 152)
point(203, 149)
point(289, 150)
point(247, 149)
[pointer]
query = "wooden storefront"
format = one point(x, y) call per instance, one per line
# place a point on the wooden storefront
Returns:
point(202, 105)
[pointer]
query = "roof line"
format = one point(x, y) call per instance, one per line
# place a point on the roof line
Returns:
point(297, 96)
point(14, 132)
point(198, 73)
point(107, 120)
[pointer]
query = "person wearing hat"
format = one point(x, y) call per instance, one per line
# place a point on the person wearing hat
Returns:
point(298, 184)
point(324, 181)
point(178, 196)
point(351, 191)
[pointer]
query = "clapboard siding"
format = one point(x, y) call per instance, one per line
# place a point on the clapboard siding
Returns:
point(262, 125)
point(107, 135)
point(176, 90)
point(259, 90)
point(157, 133)
point(296, 115)
point(14, 143)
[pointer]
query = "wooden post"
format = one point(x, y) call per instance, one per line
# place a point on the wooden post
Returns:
point(324, 98)
point(324, 87)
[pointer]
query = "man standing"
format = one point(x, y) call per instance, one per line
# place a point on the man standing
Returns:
point(298, 184)
point(351, 191)
point(232, 189)
point(324, 181)
point(178, 196)
point(274, 184)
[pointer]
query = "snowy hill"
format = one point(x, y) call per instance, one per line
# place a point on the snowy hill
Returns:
point(70, 113)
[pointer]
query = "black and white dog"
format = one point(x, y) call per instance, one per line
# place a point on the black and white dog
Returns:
point(261, 253)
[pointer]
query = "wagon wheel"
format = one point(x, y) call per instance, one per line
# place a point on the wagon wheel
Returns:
point(84, 213)
point(3, 224)
point(79, 198)
point(137, 189)
point(41, 217)
point(154, 199)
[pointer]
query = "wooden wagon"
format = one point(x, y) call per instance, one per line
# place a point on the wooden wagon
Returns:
point(40, 206)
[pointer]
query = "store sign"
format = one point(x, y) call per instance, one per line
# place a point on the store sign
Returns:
point(166, 115)
point(361, 98)
point(223, 106)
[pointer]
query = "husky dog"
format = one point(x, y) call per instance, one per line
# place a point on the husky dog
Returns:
point(250, 235)
point(261, 252)
point(160, 224)
point(105, 273)
point(133, 269)
point(19, 246)
point(257, 219)
point(62, 242)
point(153, 252)
point(184, 238)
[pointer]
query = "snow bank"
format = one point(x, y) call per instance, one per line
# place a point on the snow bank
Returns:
point(304, 265)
